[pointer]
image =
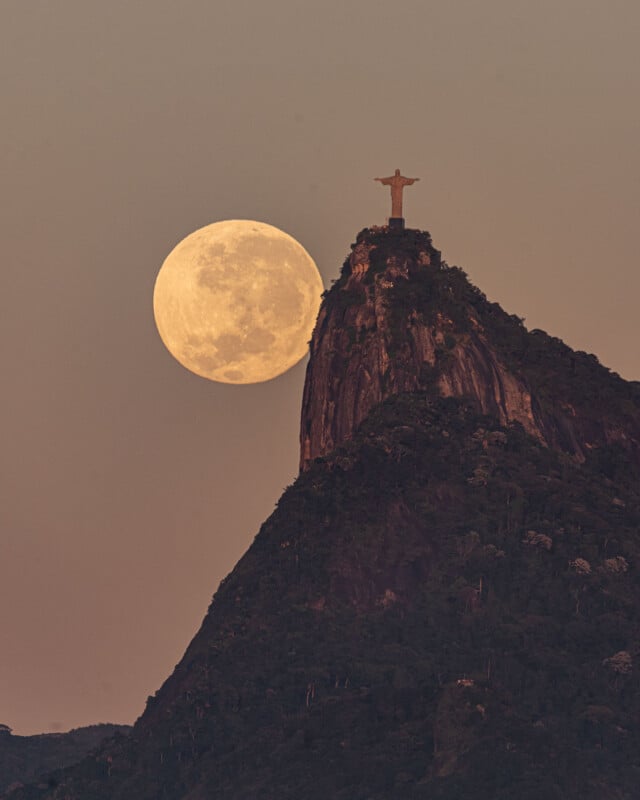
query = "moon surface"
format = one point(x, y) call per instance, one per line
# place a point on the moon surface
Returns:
point(236, 301)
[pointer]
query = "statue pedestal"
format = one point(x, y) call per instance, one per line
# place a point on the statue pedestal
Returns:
point(396, 223)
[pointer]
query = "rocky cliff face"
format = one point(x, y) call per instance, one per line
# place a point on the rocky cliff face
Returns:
point(444, 604)
point(400, 320)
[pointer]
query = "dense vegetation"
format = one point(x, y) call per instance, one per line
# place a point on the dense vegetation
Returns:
point(25, 758)
point(441, 609)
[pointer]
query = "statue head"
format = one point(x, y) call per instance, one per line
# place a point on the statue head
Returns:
point(397, 172)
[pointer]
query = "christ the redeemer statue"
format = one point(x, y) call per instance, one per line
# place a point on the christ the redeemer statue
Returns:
point(397, 183)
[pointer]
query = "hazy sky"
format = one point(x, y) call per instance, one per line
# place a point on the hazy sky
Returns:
point(130, 486)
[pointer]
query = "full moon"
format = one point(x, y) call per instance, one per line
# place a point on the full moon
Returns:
point(236, 301)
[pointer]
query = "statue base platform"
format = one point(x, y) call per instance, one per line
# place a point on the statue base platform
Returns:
point(396, 223)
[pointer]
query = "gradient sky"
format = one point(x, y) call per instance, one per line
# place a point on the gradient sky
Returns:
point(130, 487)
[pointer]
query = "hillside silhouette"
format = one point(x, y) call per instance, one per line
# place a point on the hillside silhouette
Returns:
point(445, 602)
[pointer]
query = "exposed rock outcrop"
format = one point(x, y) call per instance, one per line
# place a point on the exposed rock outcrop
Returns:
point(444, 605)
point(401, 320)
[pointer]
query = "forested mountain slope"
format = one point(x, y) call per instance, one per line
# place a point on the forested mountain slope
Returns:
point(25, 758)
point(445, 604)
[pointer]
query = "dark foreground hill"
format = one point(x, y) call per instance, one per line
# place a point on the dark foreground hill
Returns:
point(445, 604)
point(26, 758)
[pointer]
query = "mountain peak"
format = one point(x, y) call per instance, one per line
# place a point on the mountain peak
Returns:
point(399, 319)
point(444, 603)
